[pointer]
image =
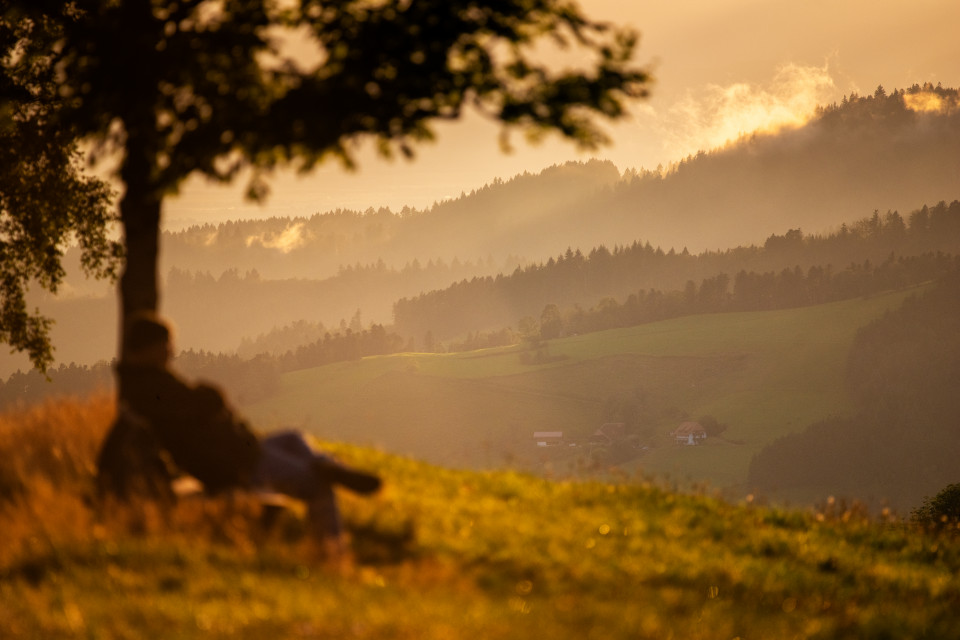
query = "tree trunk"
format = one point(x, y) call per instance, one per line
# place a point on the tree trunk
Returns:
point(140, 215)
point(140, 204)
point(138, 281)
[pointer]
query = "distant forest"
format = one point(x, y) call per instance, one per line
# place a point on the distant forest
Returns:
point(639, 283)
point(882, 151)
point(903, 441)
point(245, 379)
point(885, 151)
point(888, 152)
point(878, 253)
point(488, 226)
point(247, 304)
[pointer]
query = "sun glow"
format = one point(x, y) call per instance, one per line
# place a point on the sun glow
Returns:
point(930, 102)
point(722, 114)
point(286, 241)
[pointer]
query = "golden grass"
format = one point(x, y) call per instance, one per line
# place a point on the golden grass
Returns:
point(492, 555)
point(48, 500)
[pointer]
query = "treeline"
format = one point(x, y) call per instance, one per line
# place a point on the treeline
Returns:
point(497, 220)
point(573, 280)
point(279, 340)
point(886, 149)
point(245, 379)
point(898, 105)
point(254, 378)
point(902, 441)
point(247, 304)
point(349, 345)
point(750, 292)
point(30, 387)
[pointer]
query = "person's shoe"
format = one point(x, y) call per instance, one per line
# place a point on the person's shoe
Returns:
point(353, 479)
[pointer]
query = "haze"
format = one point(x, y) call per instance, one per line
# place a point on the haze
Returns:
point(726, 260)
point(722, 68)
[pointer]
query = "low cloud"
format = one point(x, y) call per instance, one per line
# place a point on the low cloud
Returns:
point(930, 102)
point(717, 114)
point(292, 237)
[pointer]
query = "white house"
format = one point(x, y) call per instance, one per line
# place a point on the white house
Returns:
point(690, 433)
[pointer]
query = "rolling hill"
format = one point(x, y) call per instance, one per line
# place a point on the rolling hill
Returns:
point(765, 374)
point(877, 152)
point(886, 152)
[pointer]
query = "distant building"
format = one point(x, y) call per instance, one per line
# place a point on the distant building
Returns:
point(609, 433)
point(548, 438)
point(690, 433)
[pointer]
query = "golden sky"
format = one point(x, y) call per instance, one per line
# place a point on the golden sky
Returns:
point(722, 67)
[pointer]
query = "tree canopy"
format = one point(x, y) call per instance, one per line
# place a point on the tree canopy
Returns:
point(214, 86)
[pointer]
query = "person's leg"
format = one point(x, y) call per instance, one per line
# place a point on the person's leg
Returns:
point(325, 468)
point(333, 472)
point(287, 466)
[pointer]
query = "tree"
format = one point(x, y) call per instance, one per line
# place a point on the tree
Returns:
point(45, 200)
point(551, 323)
point(212, 87)
point(941, 511)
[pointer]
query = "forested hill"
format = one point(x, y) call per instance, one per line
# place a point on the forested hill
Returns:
point(886, 151)
point(883, 251)
point(903, 440)
point(489, 224)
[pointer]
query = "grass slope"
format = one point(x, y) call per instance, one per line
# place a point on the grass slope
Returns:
point(491, 555)
point(765, 374)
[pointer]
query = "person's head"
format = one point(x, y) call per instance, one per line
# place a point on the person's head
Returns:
point(147, 340)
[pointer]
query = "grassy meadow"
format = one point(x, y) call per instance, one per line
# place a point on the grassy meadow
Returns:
point(443, 553)
point(764, 374)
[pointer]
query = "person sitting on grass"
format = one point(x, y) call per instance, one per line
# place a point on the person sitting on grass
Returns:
point(162, 418)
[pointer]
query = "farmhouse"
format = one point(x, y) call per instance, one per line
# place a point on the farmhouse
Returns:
point(548, 438)
point(690, 433)
point(609, 433)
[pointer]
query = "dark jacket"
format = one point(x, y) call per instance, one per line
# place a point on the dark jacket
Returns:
point(193, 424)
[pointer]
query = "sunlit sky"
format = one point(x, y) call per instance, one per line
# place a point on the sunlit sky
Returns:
point(721, 68)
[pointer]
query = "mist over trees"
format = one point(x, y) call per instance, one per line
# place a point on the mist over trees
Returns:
point(502, 221)
point(174, 89)
point(604, 288)
point(328, 266)
point(886, 152)
point(246, 304)
point(539, 302)
point(640, 283)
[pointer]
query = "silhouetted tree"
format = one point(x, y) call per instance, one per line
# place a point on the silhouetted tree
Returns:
point(45, 199)
point(200, 86)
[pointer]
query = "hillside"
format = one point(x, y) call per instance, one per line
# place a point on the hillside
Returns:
point(444, 553)
point(877, 152)
point(637, 280)
point(885, 152)
point(635, 283)
point(488, 223)
point(765, 374)
point(902, 439)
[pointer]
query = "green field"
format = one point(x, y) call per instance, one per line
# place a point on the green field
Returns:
point(764, 374)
